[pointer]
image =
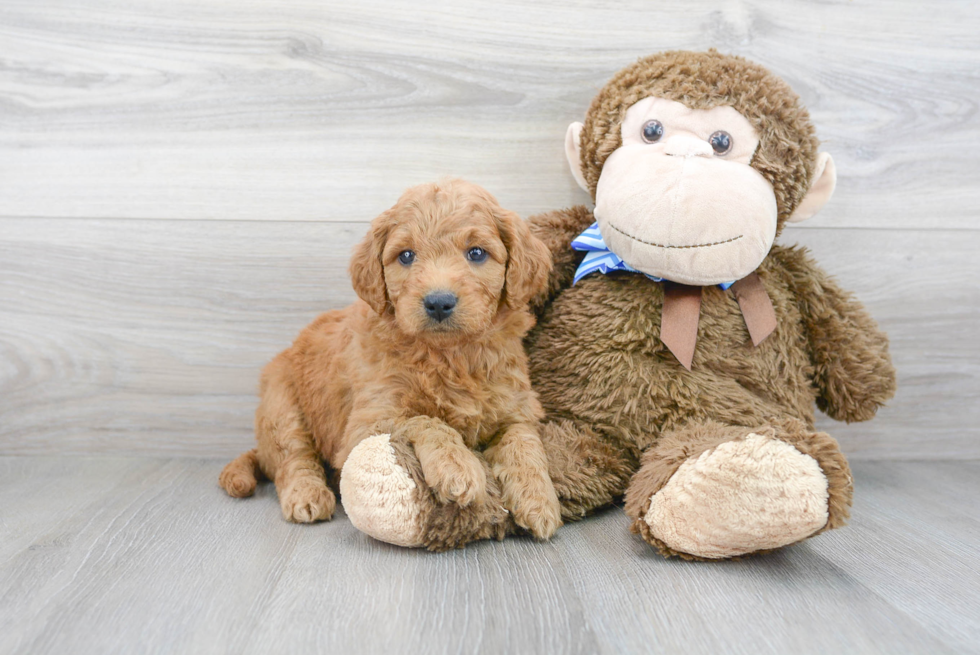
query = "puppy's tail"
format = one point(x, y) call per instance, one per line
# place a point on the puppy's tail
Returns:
point(241, 475)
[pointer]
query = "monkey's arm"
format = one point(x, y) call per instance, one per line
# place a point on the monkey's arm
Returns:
point(557, 229)
point(852, 368)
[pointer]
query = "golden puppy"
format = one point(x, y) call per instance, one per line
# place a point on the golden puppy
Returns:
point(433, 349)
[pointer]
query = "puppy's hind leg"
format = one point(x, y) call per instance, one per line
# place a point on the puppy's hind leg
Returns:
point(287, 454)
point(241, 474)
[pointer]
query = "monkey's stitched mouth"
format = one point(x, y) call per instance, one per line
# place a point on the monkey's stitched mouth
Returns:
point(661, 245)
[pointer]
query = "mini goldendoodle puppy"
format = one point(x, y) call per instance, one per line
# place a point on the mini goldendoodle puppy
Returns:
point(432, 352)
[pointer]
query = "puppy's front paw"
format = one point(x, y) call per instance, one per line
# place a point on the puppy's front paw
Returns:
point(456, 475)
point(534, 506)
point(307, 501)
point(453, 472)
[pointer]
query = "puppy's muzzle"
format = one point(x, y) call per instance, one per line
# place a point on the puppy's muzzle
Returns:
point(439, 305)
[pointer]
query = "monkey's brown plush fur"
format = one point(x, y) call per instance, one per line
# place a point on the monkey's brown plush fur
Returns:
point(721, 460)
point(609, 386)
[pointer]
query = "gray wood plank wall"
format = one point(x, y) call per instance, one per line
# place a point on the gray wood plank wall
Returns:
point(181, 183)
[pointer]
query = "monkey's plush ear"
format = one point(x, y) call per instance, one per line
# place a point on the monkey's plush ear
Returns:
point(366, 272)
point(573, 152)
point(824, 182)
point(528, 260)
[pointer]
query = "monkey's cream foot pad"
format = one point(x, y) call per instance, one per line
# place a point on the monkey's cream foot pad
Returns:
point(741, 497)
point(379, 496)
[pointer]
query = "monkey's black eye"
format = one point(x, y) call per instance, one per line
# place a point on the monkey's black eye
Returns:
point(476, 255)
point(652, 131)
point(406, 257)
point(721, 142)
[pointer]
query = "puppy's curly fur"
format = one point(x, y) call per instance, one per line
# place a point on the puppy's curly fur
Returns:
point(385, 364)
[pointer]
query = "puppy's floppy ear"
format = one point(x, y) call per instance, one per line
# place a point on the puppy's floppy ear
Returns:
point(528, 259)
point(366, 270)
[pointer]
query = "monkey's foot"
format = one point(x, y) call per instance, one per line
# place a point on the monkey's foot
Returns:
point(380, 497)
point(750, 492)
point(384, 494)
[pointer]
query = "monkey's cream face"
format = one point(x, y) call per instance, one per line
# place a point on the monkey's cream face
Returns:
point(679, 199)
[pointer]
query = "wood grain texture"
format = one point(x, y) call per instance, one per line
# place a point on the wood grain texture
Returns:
point(180, 187)
point(181, 182)
point(304, 110)
point(148, 336)
point(153, 557)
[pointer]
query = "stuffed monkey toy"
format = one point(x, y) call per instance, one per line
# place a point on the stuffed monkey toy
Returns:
point(678, 352)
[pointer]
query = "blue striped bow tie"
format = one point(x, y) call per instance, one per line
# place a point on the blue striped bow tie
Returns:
point(598, 257)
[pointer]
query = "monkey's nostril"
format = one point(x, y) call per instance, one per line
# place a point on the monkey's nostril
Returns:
point(439, 305)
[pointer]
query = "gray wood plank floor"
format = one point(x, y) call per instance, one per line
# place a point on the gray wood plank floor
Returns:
point(148, 555)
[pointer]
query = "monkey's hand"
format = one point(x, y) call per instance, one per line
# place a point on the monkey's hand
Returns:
point(852, 368)
point(557, 229)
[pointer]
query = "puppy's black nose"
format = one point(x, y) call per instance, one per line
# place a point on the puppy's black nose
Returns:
point(439, 305)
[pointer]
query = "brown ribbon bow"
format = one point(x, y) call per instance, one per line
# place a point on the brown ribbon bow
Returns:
point(682, 311)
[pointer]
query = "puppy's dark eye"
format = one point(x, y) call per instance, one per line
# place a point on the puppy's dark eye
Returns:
point(721, 142)
point(476, 254)
point(406, 257)
point(652, 131)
